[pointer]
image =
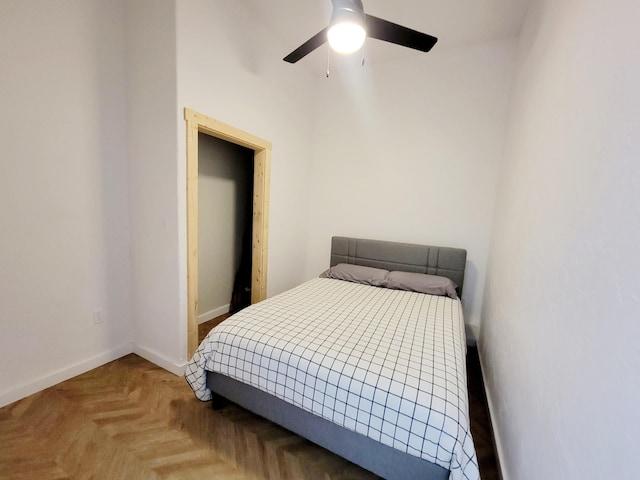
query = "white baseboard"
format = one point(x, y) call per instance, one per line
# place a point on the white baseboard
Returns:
point(211, 314)
point(160, 360)
point(51, 379)
point(496, 435)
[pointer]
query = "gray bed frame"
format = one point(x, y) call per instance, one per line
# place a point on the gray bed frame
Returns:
point(380, 459)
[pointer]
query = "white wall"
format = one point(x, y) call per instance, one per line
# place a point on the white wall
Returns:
point(231, 69)
point(225, 178)
point(103, 86)
point(160, 318)
point(63, 192)
point(410, 151)
point(560, 324)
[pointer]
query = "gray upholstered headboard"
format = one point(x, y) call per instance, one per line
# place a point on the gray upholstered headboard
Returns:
point(443, 261)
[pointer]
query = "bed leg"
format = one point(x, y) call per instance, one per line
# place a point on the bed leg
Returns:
point(218, 402)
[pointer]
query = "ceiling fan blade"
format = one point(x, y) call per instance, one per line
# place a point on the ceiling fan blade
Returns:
point(307, 47)
point(394, 33)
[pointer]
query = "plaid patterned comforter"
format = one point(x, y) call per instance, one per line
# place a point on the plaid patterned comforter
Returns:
point(388, 364)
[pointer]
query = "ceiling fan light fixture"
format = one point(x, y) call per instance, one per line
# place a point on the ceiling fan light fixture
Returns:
point(348, 21)
point(347, 32)
point(346, 37)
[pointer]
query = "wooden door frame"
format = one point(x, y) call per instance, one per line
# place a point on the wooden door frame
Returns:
point(197, 122)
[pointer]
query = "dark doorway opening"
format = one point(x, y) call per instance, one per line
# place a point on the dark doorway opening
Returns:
point(225, 217)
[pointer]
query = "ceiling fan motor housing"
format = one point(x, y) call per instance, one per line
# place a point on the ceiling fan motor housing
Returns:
point(348, 11)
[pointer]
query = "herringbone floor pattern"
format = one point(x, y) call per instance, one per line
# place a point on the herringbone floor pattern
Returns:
point(132, 420)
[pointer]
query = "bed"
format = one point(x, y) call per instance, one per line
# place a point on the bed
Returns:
point(369, 369)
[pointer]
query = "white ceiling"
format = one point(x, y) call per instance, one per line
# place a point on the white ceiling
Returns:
point(454, 22)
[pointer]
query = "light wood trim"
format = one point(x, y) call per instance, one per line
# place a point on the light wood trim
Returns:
point(197, 122)
point(262, 167)
point(192, 237)
point(221, 130)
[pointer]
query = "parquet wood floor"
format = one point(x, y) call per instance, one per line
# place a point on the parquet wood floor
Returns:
point(132, 420)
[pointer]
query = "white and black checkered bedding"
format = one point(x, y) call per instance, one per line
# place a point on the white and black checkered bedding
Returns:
point(388, 364)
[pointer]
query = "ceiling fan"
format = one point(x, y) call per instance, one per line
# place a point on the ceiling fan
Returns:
point(350, 25)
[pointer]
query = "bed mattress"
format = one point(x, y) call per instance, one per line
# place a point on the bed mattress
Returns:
point(387, 364)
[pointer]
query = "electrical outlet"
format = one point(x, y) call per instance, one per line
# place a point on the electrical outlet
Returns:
point(97, 317)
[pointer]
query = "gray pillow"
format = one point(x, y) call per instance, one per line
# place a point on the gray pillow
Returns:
point(420, 282)
point(356, 273)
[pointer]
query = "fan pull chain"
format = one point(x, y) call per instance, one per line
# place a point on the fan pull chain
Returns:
point(329, 59)
point(363, 47)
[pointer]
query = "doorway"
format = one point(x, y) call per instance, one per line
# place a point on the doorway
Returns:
point(225, 199)
point(198, 123)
